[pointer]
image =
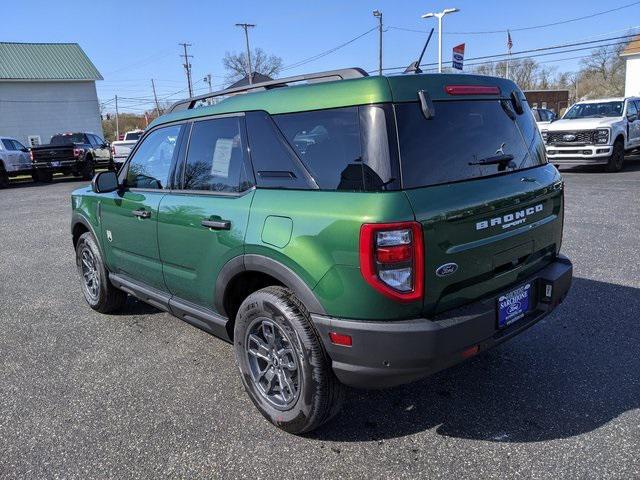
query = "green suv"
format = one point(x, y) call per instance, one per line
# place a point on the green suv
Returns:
point(337, 228)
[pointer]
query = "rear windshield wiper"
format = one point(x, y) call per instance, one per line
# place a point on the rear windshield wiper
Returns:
point(502, 159)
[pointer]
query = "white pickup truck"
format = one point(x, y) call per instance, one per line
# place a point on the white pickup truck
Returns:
point(14, 160)
point(122, 148)
point(594, 132)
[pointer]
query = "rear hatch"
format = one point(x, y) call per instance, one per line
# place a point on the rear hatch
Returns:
point(477, 178)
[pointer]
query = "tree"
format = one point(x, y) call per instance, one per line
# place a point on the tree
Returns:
point(602, 74)
point(237, 65)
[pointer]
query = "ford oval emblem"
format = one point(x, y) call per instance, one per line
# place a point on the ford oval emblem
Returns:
point(569, 137)
point(446, 269)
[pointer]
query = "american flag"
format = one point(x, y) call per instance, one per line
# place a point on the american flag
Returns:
point(509, 42)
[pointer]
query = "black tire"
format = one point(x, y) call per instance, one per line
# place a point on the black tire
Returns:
point(43, 176)
point(616, 160)
point(88, 169)
point(103, 297)
point(4, 178)
point(319, 394)
point(34, 176)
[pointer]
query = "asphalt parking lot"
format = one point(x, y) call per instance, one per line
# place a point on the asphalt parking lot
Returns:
point(142, 394)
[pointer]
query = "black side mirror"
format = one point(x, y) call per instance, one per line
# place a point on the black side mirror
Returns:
point(24, 149)
point(105, 182)
point(104, 145)
point(632, 118)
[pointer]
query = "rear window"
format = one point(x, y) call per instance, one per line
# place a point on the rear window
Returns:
point(132, 136)
point(462, 138)
point(66, 139)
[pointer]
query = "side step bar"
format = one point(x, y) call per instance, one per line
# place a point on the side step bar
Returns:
point(200, 317)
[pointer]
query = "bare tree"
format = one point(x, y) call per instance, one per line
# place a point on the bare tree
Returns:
point(237, 65)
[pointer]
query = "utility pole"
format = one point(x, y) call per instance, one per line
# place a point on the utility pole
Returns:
point(207, 79)
point(439, 17)
point(155, 97)
point(246, 27)
point(117, 125)
point(187, 66)
point(378, 15)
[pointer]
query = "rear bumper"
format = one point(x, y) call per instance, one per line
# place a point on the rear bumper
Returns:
point(385, 354)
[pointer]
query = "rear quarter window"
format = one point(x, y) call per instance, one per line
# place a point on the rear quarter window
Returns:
point(450, 146)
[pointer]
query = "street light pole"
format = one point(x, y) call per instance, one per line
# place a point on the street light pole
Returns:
point(378, 15)
point(439, 16)
point(246, 27)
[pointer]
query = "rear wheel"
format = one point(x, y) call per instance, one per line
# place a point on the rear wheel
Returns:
point(43, 176)
point(284, 367)
point(98, 291)
point(616, 160)
point(88, 169)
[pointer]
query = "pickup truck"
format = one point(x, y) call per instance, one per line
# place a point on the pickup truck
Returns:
point(14, 160)
point(120, 149)
point(78, 154)
point(594, 132)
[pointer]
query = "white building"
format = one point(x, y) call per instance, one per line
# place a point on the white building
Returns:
point(47, 88)
point(631, 54)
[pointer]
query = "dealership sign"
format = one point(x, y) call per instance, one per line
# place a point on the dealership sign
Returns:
point(458, 56)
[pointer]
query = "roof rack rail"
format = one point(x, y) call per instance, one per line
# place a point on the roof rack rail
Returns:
point(328, 76)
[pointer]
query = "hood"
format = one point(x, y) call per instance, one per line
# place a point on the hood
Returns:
point(582, 123)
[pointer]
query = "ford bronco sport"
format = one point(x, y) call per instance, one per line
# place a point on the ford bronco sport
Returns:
point(337, 228)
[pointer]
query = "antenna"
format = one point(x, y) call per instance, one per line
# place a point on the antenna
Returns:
point(415, 66)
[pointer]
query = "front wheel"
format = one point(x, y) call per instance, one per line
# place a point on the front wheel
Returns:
point(98, 291)
point(284, 367)
point(4, 178)
point(616, 160)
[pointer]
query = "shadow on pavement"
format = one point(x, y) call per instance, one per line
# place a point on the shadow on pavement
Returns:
point(570, 374)
point(631, 164)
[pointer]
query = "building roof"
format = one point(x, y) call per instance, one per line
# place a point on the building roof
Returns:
point(45, 61)
point(632, 48)
point(256, 77)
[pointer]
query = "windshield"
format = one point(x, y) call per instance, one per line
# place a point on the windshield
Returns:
point(133, 136)
point(464, 140)
point(67, 138)
point(594, 110)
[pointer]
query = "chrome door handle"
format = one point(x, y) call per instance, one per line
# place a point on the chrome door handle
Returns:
point(216, 224)
point(141, 213)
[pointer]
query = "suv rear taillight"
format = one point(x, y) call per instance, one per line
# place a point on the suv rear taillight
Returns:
point(77, 152)
point(392, 259)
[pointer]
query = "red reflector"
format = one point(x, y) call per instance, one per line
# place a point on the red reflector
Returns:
point(471, 351)
point(340, 339)
point(471, 90)
point(398, 253)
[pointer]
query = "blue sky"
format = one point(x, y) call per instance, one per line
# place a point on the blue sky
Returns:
point(131, 42)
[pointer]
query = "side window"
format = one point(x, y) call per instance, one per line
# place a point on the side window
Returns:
point(631, 109)
point(151, 163)
point(7, 144)
point(274, 163)
point(216, 159)
point(327, 142)
point(17, 145)
point(92, 140)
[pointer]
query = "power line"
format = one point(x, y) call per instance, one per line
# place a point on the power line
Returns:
point(593, 44)
point(534, 27)
point(327, 52)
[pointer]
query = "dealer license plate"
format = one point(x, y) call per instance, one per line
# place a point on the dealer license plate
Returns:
point(54, 164)
point(513, 305)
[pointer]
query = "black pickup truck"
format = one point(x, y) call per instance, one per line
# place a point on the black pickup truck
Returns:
point(78, 154)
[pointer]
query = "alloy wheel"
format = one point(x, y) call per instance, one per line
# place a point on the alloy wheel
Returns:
point(90, 274)
point(273, 363)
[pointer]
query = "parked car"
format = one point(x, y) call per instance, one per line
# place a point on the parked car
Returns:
point(120, 149)
point(595, 132)
point(283, 221)
point(14, 160)
point(78, 154)
point(543, 116)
